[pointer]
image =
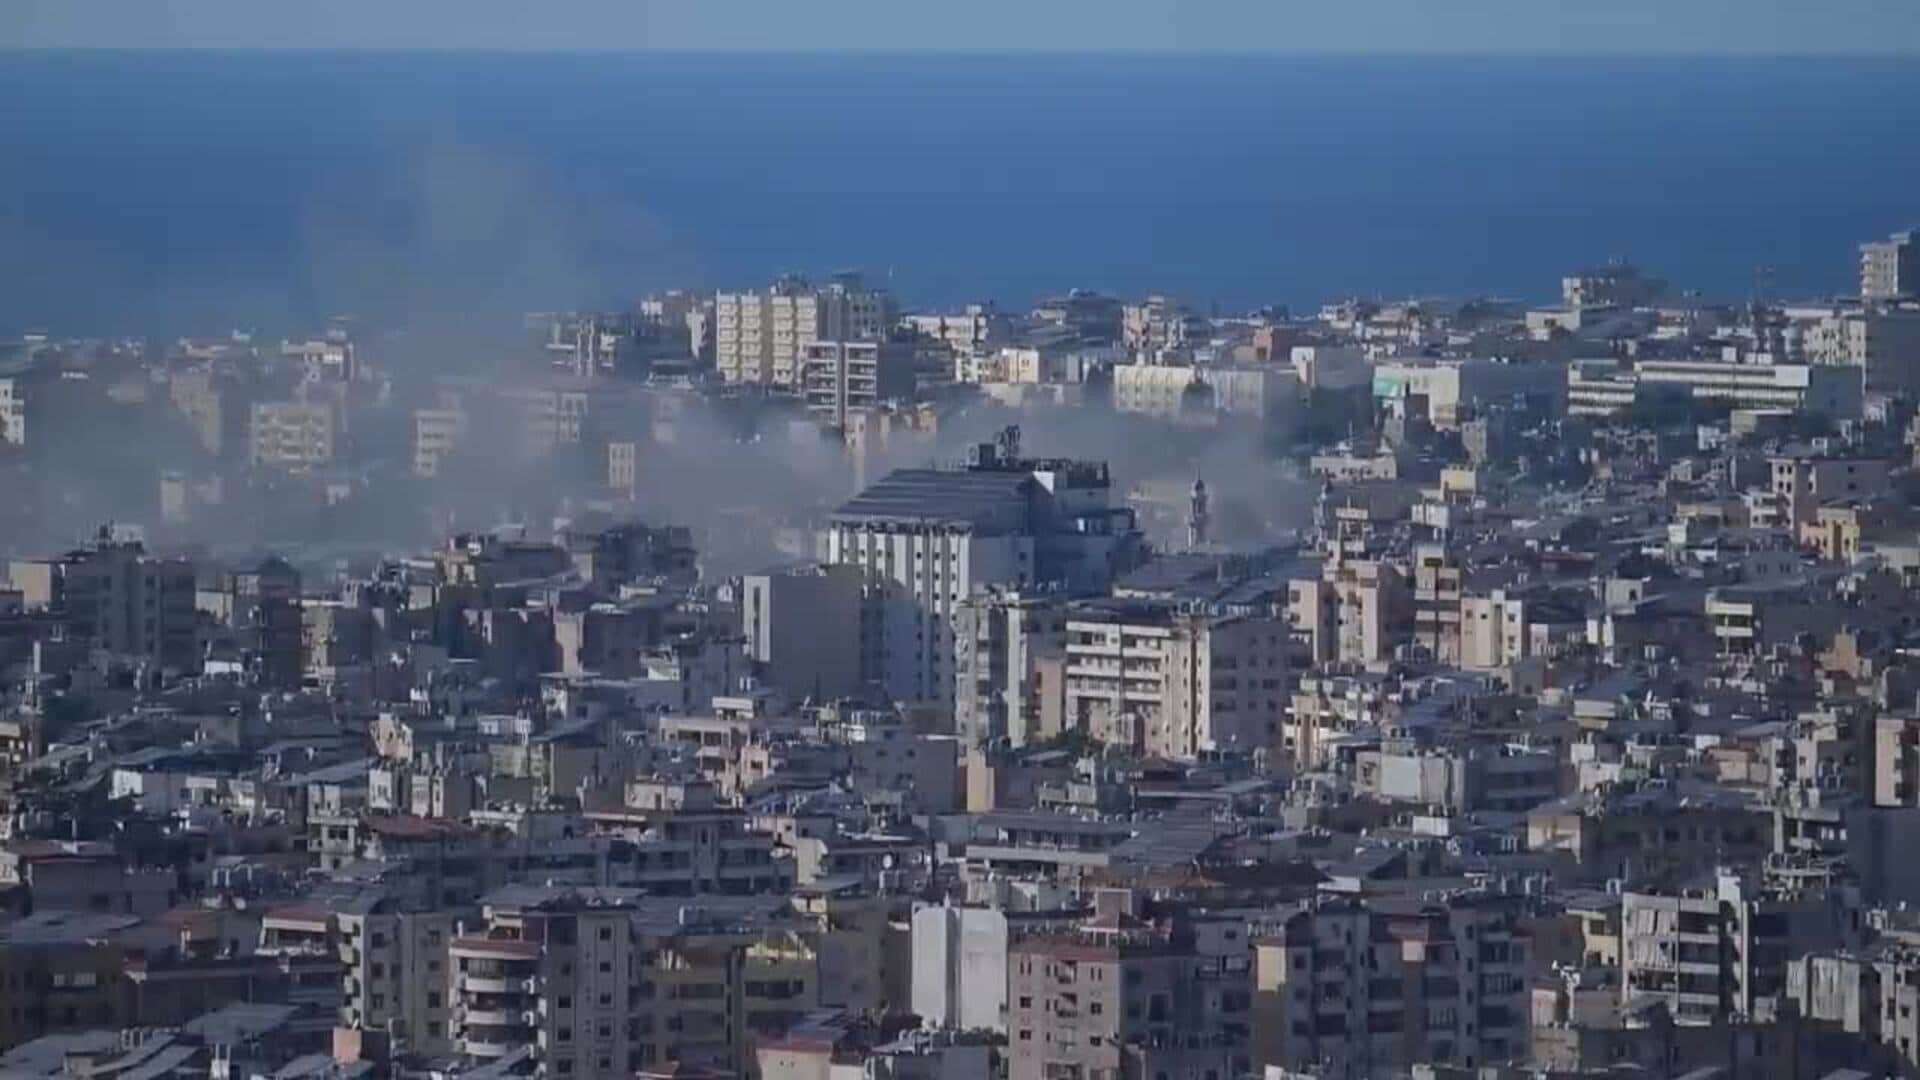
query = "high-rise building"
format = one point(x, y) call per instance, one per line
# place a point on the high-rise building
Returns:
point(1001, 640)
point(1890, 268)
point(116, 597)
point(1157, 680)
point(760, 338)
point(938, 535)
point(13, 413)
point(841, 376)
point(1362, 988)
point(1123, 996)
point(782, 614)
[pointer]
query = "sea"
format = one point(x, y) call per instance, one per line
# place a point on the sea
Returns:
point(194, 192)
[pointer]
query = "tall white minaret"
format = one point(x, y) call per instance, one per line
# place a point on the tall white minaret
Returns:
point(1197, 516)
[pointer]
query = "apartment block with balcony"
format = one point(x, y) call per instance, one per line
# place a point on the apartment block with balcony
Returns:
point(1363, 988)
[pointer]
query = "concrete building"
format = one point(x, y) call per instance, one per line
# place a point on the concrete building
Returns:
point(1801, 485)
point(437, 434)
point(1722, 950)
point(975, 326)
point(1446, 393)
point(1358, 612)
point(760, 337)
point(1173, 684)
point(803, 629)
point(116, 597)
point(1201, 395)
point(841, 376)
point(1883, 343)
point(292, 435)
point(937, 535)
point(1826, 390)
point(1616, 285)
point(1159, 326)
point(13, 413)
point(1890, 268)
point(554, 973)
point(1005, 687)
point(1356, 989)
point(960, 967)
point(1119, 996)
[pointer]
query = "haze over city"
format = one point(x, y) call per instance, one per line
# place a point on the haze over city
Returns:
point(1067, 541)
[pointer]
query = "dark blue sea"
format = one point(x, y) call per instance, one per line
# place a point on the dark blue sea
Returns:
point(169, 192)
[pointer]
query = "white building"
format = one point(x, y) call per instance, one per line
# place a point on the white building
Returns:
point(1172, 392)
point(960, 968)
point(935, 536)
point(1890, 268)
point(13, 413)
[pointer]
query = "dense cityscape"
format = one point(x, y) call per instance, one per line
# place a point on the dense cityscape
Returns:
point(784, 683)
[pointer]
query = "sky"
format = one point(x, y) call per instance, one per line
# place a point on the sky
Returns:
point(1743, 27)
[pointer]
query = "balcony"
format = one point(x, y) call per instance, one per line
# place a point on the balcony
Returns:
point(498, 1016)
point(490, 984)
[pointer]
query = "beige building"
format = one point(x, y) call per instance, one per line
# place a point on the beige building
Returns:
point(293, 435)
point(436, 435)
point(1177, 392)
point(1801, 485)
point(1174, 684)
point(1883, 343)
point(1157, 326)
point(760, 338)
point(1359, 612)
point(1004, 686)
point(1357, 989)
point(1890, 268)
point(1118, 997)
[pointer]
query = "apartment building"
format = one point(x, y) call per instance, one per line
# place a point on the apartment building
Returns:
point(1174, 684)
point(1158, 326)
point(1720, 950)
point(115, 596)
point(760, 338)
point(13, 413)
point(1883, 343)
point(1359, 612)
point(1800, 485)
point(437, 434)
point(552, 972)
point(1119, 996)
point(1363, 988)
point(1890, 268)
point(781, 615)
point(609, 982)
point(838, 377)
point(292, 435)
point(1009, 650)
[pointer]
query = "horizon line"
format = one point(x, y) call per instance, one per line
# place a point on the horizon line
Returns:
point(1904, 53)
